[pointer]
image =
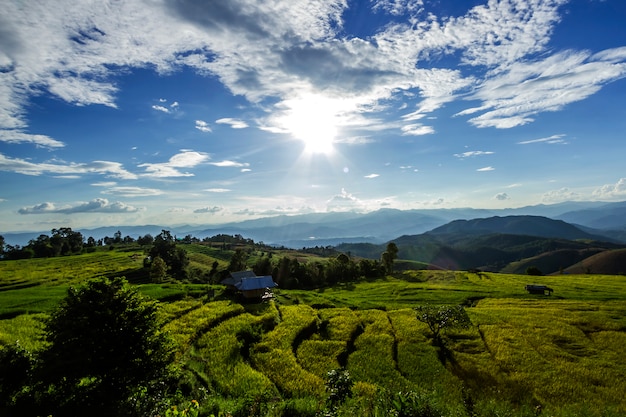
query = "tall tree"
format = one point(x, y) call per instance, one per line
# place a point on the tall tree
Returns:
point(238, 261)
point(389, 256)
point(164, 246)
point(104, 345)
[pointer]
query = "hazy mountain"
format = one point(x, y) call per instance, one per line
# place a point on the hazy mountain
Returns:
point(323, 229)
point(496, 244)
point(607, 216)
point(516, 225)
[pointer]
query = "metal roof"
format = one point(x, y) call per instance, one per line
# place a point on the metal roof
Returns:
point(255, 283)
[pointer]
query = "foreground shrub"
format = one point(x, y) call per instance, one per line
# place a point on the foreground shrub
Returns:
point(105, 349)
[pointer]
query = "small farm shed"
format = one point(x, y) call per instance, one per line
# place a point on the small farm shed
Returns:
point(250, 285)
point(538, 289)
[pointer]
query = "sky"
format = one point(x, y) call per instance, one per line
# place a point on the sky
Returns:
point(205, 112)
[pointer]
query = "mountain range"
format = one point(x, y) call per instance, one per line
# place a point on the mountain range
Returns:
point(607, 220)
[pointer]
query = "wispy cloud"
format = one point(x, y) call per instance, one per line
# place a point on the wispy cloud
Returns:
point(133, 191)
point(370, 176)
point(217, 190)
point(209, 210)
point(203, 126)
point(161, 108)
point(560, 195)
point(17, 136)
point(552, 140)
point(280, 47)
point(98, 205)
point(471, 154)
point(171, 168)
point(234, 123)
point(417, 129)
point(107, 168)
point(486, 169)
point(228, 163)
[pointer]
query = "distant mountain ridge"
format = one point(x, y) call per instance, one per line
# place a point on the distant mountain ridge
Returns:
point(333, 228)
point(503, 244)
point(517, 225)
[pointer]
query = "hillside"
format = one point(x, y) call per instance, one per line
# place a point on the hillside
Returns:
point(234, 356)
point(496, 244)
point(605, 262)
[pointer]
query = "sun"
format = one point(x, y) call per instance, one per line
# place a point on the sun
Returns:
point(314, 121)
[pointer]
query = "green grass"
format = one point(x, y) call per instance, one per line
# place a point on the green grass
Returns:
point(562, 352)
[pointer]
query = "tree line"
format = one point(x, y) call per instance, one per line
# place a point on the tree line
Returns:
point(166, 258)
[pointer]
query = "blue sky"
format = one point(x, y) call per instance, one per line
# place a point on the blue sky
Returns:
point(196, 112)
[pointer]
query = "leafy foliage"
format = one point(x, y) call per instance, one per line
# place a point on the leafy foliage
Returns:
point(338, 386)
point(105, 343)
point(164, 247)
point(440, 318)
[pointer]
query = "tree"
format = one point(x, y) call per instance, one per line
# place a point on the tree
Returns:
point(164, 246)
point(104, 345)
point(158, 270)
point(533, 270)
point(16, 365)
point(440, 318)
point(65, 241)
point(238, 261)
point(389, 256)
point(145, 240)
point(263, 266)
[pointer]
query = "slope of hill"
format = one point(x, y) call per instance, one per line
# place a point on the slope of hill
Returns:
point(610, 262)
point(516, 225)
point(553, 262)
point(493, 243)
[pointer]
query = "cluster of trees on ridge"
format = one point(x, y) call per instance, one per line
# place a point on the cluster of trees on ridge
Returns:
point(166, 258)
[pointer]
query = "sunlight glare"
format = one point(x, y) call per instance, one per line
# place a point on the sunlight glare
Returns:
point(313, 120)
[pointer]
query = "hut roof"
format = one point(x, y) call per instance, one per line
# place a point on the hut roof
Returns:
point(255, 283)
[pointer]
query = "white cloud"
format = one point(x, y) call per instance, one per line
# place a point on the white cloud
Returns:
point(485, 169)
point(217, 190)
point(344, 202)
point(98, 205)
point(552, 140)
point(471, 154)
point(611, 191)
point(417, 129)
point(203, 126)
point(210, 210)
point(234, 123)
point(161, 109)
point(227, 163)
point(133, 191)
point(184, 159)
point(16, 136)
point(399, 7)
point(370, 176)
point(281, 50)
point(107, 168)
point(526, 88)
point(558, 196)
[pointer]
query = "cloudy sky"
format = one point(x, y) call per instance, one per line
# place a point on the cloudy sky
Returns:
point(189, 111)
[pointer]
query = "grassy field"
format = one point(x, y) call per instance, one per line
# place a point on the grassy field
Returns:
point(561, 355)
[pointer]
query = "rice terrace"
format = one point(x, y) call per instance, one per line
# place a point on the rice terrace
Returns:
point(350, 347)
